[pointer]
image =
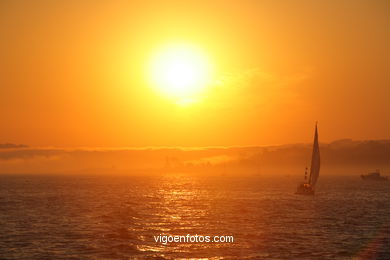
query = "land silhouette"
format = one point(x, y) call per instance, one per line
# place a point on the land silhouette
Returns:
point(341, 157)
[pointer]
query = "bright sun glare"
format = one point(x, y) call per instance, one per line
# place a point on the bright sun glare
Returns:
point(181, 72)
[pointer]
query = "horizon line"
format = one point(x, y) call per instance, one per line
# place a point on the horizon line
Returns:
point(163, 147)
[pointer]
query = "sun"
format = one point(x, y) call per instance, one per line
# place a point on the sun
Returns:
point(180, 72)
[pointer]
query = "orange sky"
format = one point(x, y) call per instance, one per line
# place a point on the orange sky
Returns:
point(72, 73)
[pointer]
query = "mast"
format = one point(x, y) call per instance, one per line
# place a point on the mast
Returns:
point(305, 174)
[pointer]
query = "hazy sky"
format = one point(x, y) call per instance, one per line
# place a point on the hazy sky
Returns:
point(73, 73)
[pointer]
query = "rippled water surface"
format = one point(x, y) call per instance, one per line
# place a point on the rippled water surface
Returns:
point(116, 217)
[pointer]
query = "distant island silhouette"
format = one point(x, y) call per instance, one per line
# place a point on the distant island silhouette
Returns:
point(11, 146)
point(344, 156)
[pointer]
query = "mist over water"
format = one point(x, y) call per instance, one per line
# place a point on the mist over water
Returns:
point(117, 217)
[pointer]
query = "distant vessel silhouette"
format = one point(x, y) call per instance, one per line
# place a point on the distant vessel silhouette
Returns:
point(307, 187)
point(373, 176)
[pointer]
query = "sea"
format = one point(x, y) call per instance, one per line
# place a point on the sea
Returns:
point(119, 217)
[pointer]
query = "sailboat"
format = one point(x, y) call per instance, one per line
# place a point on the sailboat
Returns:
point(307, 187)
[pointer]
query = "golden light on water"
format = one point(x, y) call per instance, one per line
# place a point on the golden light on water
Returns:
point(180, 72)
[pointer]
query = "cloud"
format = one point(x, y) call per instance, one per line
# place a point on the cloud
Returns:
point(254, 87)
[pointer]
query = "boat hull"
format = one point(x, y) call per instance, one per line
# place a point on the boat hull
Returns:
point(369, 178)
point(305, 189)
point(373, 176)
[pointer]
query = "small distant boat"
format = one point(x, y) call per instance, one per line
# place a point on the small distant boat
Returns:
point(374, 176)
point(307, 187)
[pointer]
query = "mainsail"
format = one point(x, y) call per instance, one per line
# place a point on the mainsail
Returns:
point(315, 161)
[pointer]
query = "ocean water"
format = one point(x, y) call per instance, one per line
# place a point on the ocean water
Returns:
point(117, 217)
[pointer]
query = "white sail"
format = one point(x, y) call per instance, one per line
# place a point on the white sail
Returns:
point(315, 161)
